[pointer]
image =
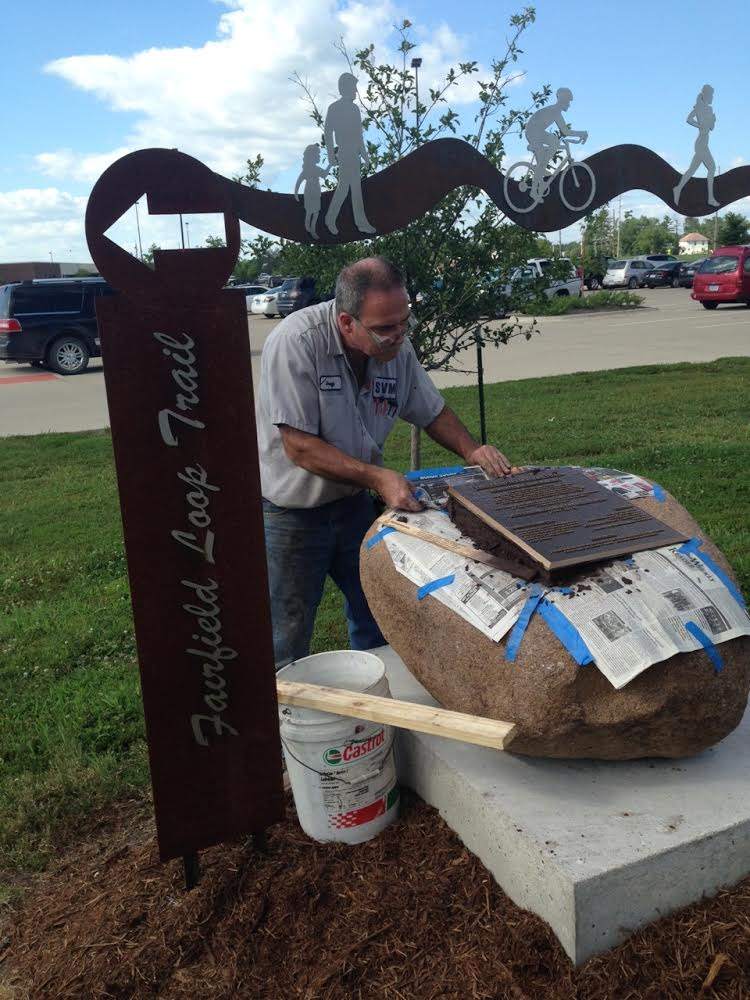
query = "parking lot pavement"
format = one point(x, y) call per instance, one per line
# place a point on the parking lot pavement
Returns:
point(669, 327)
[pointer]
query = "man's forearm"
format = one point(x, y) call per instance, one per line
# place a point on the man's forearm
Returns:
point(449, 432)
point(324, 459)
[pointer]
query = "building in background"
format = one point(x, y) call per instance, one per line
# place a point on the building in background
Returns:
point(694, 243)
point(27, 269)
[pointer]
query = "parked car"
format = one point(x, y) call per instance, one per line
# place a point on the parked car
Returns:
point(666, 274)
point(723, 277)
point(628, 272)
point(594, 269)
point(250, 292)
point(558, 274)
point(688, 272)
point(265, 303)
point(296, 293)
point(656, 258)
point(51, 322)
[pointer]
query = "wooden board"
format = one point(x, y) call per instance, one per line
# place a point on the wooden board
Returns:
point(466, 551)
point(402, 714)
point(561, 518)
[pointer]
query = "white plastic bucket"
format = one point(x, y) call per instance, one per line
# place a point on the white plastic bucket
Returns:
point(342, 771)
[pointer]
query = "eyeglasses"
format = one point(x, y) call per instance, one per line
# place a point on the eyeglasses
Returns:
point(400, 332)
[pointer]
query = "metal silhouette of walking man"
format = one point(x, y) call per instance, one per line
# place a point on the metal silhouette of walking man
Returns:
point(345, 146)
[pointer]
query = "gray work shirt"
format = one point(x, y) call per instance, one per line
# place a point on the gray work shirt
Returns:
point(306, 382)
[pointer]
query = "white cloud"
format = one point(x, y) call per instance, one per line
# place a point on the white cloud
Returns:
point(37, 221)
point(232, 97)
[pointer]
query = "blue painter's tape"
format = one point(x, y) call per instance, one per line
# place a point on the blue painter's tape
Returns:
point(428, 588)
point(690, 547)
point(566, 632)
point(711, 650)
point(659, 493)
point(693, 547)
point(446, 470)
point(379, 536)
point(532, 601)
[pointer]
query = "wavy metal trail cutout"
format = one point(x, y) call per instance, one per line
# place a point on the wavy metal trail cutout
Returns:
point(403, 192)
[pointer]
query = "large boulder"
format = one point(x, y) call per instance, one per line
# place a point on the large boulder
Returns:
point(673, 709)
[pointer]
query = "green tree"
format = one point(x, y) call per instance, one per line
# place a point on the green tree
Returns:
point(457, 258)
point(148, 256)
point(643, 234)
point(733, 229)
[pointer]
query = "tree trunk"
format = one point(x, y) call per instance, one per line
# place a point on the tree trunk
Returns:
point(416, 448)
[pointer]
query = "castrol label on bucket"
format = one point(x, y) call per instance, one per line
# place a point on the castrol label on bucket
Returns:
point(357, 777)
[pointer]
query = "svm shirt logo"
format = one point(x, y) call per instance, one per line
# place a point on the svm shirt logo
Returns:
point(384, 400)
point(330, 383)
point(384, 388)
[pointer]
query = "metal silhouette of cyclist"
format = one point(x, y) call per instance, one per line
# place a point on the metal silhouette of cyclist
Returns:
point(526, 183)
point(345, 146)
point(545, 144)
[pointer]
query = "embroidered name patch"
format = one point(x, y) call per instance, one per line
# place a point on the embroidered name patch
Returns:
point(330, 383)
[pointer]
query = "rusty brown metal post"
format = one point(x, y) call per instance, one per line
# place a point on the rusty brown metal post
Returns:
point(179, 387)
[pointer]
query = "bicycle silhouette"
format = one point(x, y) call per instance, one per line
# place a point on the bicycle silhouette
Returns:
point(577, 183)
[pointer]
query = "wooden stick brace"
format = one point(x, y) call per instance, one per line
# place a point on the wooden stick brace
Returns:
point(402, 714)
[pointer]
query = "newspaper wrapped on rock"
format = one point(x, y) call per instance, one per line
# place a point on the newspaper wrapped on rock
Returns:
point(672, 707)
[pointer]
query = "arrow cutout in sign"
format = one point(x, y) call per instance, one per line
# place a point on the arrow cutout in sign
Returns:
point(134, 234)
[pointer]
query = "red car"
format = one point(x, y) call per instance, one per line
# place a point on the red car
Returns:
point(723, 277)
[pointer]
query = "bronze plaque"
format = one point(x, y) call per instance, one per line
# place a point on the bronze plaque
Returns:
point(561, 519)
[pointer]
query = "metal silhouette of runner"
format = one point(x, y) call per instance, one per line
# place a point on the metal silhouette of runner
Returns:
point(345, 146)
point(529, 177)
point(703, 118)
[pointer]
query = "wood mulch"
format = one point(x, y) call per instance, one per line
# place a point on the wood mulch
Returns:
point(411, 915)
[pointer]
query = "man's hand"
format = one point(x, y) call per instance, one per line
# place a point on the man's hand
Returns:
point(492, 461)
point(395, 490)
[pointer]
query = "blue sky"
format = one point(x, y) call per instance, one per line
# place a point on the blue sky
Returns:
point(85, 82)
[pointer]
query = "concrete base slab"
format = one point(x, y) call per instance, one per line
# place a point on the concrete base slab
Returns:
point(595, 848)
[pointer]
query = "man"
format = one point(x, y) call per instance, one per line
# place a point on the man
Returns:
point(545, 144)
point(334, 379)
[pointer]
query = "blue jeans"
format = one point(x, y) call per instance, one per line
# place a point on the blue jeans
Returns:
point(303, 546)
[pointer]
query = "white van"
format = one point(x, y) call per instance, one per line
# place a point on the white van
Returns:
point(629, 272)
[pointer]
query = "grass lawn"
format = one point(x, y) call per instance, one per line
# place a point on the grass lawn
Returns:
point(71, 728)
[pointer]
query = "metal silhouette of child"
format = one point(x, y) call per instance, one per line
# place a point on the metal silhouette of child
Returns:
point(703, 118)
point(345, 146)
point(311, 174)
point(544, 144)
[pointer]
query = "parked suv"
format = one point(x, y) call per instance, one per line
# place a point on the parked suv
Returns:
point(628, 271)
point(723, 277)
point(51, 322)
point(294, 294)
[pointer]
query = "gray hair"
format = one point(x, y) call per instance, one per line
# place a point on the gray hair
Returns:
point(372, 274)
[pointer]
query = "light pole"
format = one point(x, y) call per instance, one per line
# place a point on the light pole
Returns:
point(187, 234)
point(415, 64)
point(138, 228)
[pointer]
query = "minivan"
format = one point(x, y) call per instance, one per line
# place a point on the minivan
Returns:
point(627, 272)
point(51, 322)
point(723, 277)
